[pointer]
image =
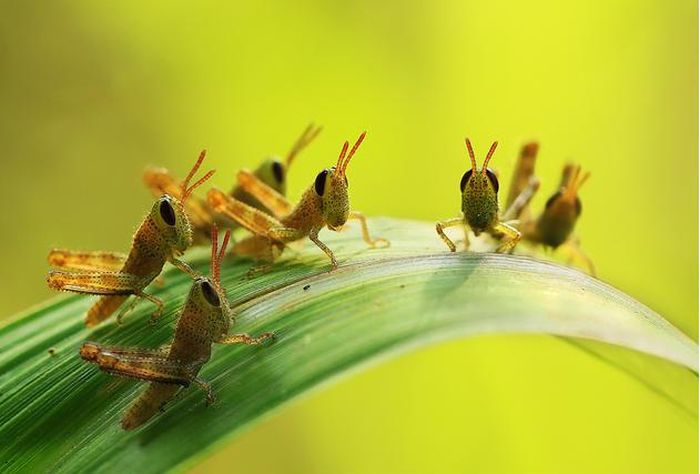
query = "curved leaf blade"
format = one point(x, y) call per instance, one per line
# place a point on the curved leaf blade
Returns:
point(57, 413)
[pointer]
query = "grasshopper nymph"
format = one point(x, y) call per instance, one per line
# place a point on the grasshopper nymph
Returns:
point(164, 234)
point(554, 227)
point(205, 319)
point(480, 206)
point(324, 204)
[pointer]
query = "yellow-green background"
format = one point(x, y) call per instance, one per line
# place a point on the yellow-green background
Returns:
point(91, 92)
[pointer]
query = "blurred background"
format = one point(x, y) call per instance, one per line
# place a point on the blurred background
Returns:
point(91, 92)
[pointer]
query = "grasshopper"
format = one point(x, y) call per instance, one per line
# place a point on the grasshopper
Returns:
point(164, 234)
point(480, 206)
point(324, 204)
point(204, 320)
point(272, 171)
point(554, 227)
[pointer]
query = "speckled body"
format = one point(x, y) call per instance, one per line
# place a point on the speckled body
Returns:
point(312, 212)
point(479, 203)
point(200, 325)
point(151, 247)
point(204, 320)
point(155, 242)
point(479, 189)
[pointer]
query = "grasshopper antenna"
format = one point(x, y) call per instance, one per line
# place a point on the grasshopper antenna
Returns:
point(470, 150)
point(217, 253)
point(488, 157)
point(343, 164)
point(186, 188)
point(303, 141)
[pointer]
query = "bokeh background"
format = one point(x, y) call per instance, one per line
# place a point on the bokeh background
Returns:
point(91, 92)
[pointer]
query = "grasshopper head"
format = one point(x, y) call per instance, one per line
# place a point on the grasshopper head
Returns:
point(331, 186)
point(273, 171)
point(169, 214)
point(208, 294)
point(563, 208)
point(170, 217)
point(479, 192)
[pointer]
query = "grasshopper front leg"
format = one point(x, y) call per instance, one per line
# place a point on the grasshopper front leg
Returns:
point(374, 243)
point(313, 236)
point(442, 225)
point(509, 236)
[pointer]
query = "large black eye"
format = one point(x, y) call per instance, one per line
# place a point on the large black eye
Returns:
point(167, 212)
point(278, 171)
point(551, 200)
point(320, 184)
point(492, 177)
point(465, 178)
point(210, 294)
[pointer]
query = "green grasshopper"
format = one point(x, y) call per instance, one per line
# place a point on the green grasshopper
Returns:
point(480, 206)
point(164, 235)
point(324, 204)
point(205, 319)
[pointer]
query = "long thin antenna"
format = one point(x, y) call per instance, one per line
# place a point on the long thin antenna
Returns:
point(214, 249)
point(222, 252)
point(357, 144)
point(470, 150)
point(186, 188)
point(488, 157)
point(340, 157)
point(303, 141)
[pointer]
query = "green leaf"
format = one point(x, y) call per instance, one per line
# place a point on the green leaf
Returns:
point(59, 413)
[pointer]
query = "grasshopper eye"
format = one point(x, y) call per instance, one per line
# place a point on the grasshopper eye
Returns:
point(278, 171)
point(556, 195)
point(210, 294)
point(465, 179)
point(167, 212)
point(492, 177)
point(551, 199)
point(320, 184)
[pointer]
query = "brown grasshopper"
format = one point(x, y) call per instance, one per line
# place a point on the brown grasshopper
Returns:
point(272, 171)
point(480, 206)
point(553, 228)
point(163, 235)
point(323, 204)
point(205, 319)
